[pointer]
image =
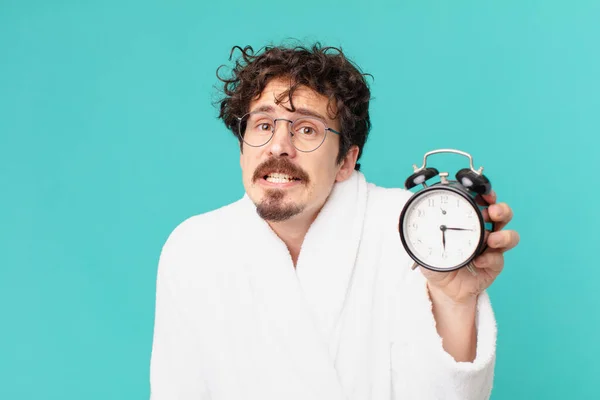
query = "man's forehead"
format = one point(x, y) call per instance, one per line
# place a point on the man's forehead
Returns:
point(277, 91)
point(275, 96)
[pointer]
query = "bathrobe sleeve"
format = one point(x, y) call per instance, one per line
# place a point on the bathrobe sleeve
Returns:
point(421, 368)
point(175, 373)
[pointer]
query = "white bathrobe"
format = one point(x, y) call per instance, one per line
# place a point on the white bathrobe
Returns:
point(235, 320)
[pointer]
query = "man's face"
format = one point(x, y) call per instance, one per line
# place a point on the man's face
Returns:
point(283, 182)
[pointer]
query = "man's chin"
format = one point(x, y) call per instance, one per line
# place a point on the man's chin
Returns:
point(277, 211)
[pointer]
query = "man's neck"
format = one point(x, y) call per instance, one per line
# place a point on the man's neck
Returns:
point(292, 233)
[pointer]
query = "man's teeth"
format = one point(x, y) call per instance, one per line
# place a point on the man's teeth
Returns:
point(279, 178)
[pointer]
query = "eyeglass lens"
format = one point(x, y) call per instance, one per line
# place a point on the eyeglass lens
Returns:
point(307, 132)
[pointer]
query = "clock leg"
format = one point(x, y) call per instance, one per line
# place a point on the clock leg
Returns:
point(471, 269)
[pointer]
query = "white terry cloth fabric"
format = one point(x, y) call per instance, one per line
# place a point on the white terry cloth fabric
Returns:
point(235, 320)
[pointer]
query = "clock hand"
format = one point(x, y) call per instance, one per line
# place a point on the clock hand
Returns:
point(443, 229)
point(444, 239)
point(458, 229)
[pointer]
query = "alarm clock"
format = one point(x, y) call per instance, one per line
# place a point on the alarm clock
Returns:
point(442, 226)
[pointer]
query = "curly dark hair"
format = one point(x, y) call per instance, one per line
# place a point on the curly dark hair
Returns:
point(325, 70)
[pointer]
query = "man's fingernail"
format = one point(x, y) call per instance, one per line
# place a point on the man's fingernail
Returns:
point(499, 212)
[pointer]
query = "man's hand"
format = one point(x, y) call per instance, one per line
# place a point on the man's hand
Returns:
point(461, 286)
point(454, 294)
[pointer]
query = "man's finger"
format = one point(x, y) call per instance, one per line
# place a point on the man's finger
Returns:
point(503, 240)
point(492, 260)
point(501, 214)
point(490, 198)
point(486, 215)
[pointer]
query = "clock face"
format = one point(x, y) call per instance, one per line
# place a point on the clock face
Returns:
point(442, 229)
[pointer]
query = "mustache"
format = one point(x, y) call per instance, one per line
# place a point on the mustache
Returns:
point(280, 165)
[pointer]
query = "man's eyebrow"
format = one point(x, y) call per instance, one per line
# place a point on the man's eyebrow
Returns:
point(302, 111)
point(311, 113)
point(264, 108)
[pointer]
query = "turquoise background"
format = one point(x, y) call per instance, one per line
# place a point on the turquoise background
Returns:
point(108, 140)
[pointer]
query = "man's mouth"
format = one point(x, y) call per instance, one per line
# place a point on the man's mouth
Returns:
point(280, 173)
point(277, 177)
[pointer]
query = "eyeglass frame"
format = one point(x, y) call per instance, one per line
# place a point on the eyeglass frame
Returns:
point(327, 128)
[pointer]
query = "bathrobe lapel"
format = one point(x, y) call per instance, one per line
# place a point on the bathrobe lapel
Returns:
point(329, 252)
point(301, 307)
point(288, 324)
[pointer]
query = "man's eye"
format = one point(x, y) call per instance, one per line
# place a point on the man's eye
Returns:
point(264, 126)
point(306, 130)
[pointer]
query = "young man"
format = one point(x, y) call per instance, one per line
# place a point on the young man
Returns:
point(302, 289)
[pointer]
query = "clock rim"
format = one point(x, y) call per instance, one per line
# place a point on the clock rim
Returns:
point(465, 195)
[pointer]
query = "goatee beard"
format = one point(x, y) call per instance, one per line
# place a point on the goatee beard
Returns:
point(272, 208)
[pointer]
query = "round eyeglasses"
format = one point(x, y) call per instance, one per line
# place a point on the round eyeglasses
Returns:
point(307, 133)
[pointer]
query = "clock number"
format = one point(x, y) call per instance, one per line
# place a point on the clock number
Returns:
point(444, 255)
point(444, 199)
point(414, 225)
point(431, 202)
point(430, 250)
point(420, 213)
point(470, 214)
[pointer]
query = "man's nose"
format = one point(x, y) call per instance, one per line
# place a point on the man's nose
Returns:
point(281, 142)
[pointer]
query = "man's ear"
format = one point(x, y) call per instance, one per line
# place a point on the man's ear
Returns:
point(347, 165)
